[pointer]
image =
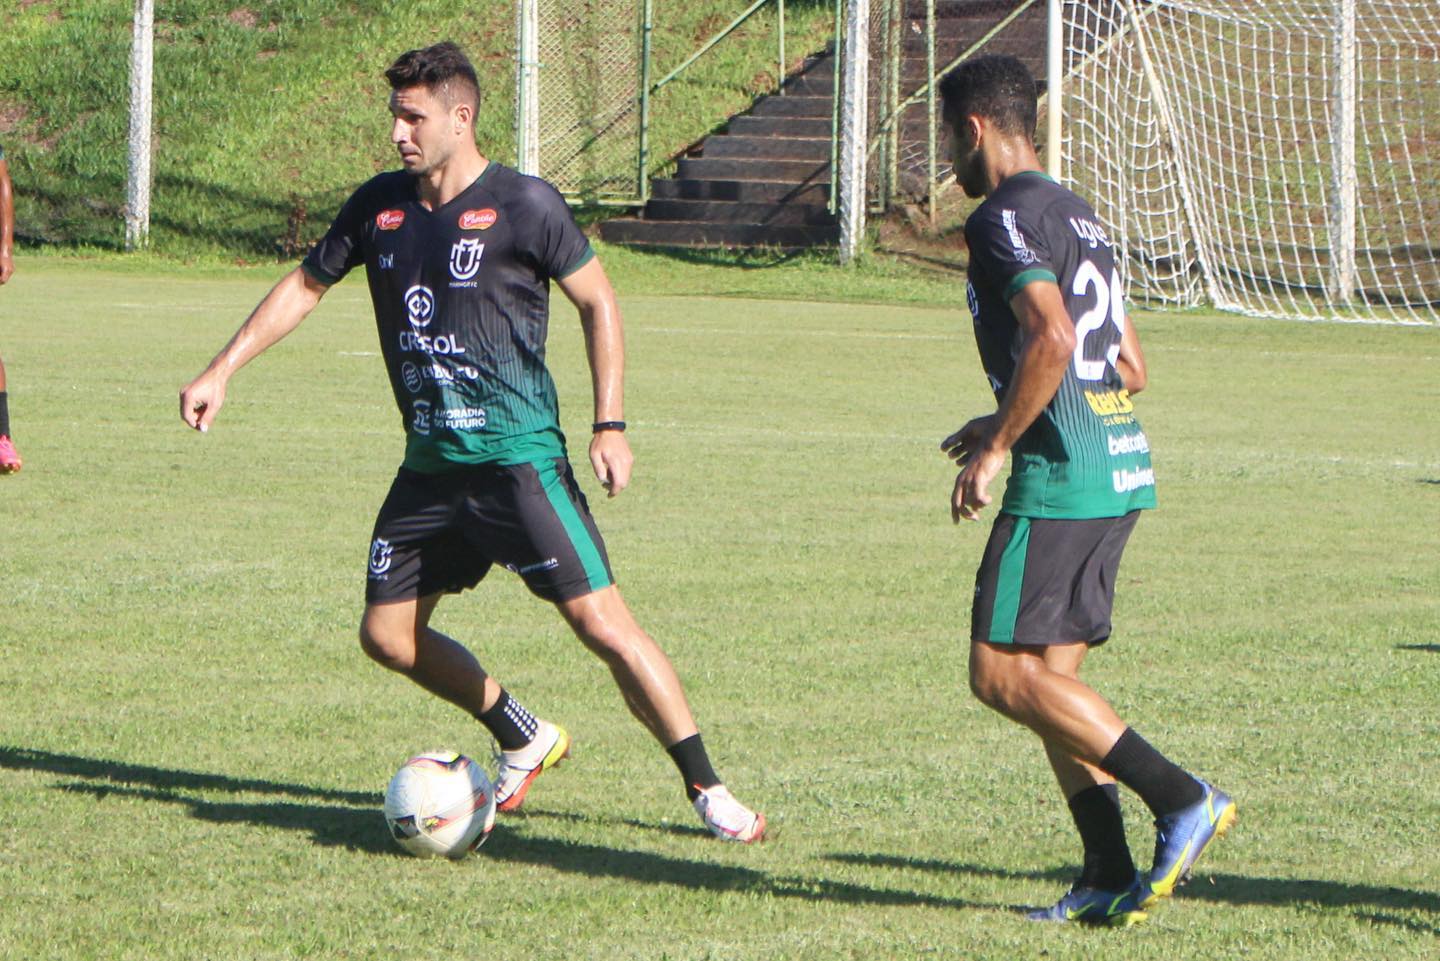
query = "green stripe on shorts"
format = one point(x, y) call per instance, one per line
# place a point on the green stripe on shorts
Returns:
point(575, 528)
point(1009, 581)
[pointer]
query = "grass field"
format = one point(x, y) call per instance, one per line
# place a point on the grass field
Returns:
point(192, 747)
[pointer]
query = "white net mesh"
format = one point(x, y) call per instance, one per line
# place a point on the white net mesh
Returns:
point(1210, 135)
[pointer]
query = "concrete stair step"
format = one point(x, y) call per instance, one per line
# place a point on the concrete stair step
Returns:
point(734, 212)
point(729, 168)
point(743, 191)
point(811, 85)
point(780, 127)
point(767, 148)
point(655, 233)
point(794, 106)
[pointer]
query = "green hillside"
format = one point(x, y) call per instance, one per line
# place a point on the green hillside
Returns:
point(268, 113)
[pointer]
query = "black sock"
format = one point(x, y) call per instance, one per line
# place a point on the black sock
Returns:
point(513, 726)
point(1163, 787)
point(1108, 865)
point(694, 764)
point(4, 414)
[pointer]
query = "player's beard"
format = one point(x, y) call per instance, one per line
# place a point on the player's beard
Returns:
point(970, 174)
point(431, 161)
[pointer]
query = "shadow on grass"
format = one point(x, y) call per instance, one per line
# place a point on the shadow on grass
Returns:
point(332, 825)
point(1222, 888)
point(169, 779)
point(647, 867)
point(351, 819)
point(1432, 648)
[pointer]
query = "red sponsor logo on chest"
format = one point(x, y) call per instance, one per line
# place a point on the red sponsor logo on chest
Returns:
point(478, 219)
point(389, 219)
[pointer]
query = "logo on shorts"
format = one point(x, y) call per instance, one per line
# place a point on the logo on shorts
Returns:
point(465, 258)
point(478, 219)
point(380, 552)
point(390, 219)
point(548, 564)
point(387, 261)
point(420, 305)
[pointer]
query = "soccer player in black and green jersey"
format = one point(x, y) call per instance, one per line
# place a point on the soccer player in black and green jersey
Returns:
point(459, 252)
point(1063, 362)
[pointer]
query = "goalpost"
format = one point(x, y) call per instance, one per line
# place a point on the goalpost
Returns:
point(1275, 159)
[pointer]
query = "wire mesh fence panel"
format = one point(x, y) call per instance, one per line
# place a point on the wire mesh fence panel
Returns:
point(913, 44)
point(589, 90)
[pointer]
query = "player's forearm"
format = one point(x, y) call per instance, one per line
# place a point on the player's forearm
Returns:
point(277, 315)
point(605, 348)
point(1038, 373)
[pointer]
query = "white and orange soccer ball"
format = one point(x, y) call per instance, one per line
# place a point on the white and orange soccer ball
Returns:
point(440, 804)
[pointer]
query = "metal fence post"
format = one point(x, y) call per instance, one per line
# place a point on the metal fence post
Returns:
point(780, 29)
point(137, 187)
point(647, 14)
point(527, 92)
point(855, 99)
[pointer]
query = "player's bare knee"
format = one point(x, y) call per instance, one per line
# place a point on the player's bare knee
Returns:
point(611, 643)
point(387, 647)
point(1001, 683)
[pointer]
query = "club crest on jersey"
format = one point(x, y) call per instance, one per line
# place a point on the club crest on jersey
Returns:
point(478, 219)
point(465, 258)
point(389, 219)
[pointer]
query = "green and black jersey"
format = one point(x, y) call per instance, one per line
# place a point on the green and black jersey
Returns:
point(462, 304)
point(1085, 455)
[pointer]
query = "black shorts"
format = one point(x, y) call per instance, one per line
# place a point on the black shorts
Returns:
point(441, 532)
point(1048, 581)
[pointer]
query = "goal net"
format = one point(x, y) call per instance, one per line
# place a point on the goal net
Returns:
point(1275, 159)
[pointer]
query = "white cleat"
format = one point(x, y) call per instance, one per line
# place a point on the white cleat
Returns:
point(727, 818)
point(519, 768)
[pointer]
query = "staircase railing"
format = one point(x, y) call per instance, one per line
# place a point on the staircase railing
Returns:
point(648, 90)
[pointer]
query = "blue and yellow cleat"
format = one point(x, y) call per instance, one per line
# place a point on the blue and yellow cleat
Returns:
point(1181, 838)
point(1116, 909)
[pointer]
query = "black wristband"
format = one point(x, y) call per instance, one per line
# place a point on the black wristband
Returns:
point(600, 425)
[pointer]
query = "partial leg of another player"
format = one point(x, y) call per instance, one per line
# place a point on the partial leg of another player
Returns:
point(1189, 813)
point(398, 636)
point(652, 691)
point(10, 461)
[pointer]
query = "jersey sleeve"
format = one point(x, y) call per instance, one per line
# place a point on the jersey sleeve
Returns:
point(1009, 249)
point(340, 250)
point(546, 232)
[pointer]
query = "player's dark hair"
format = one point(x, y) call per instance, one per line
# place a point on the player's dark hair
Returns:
point(997, 87)
point(443, 69)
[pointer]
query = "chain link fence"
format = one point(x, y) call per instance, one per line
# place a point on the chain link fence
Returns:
point(590, 59)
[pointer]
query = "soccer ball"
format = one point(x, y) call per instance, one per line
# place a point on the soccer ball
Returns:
point(440, 804)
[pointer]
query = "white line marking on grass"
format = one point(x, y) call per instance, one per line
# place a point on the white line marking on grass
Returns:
point(735, 332)
point(359, 353)
point(1345, 355)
